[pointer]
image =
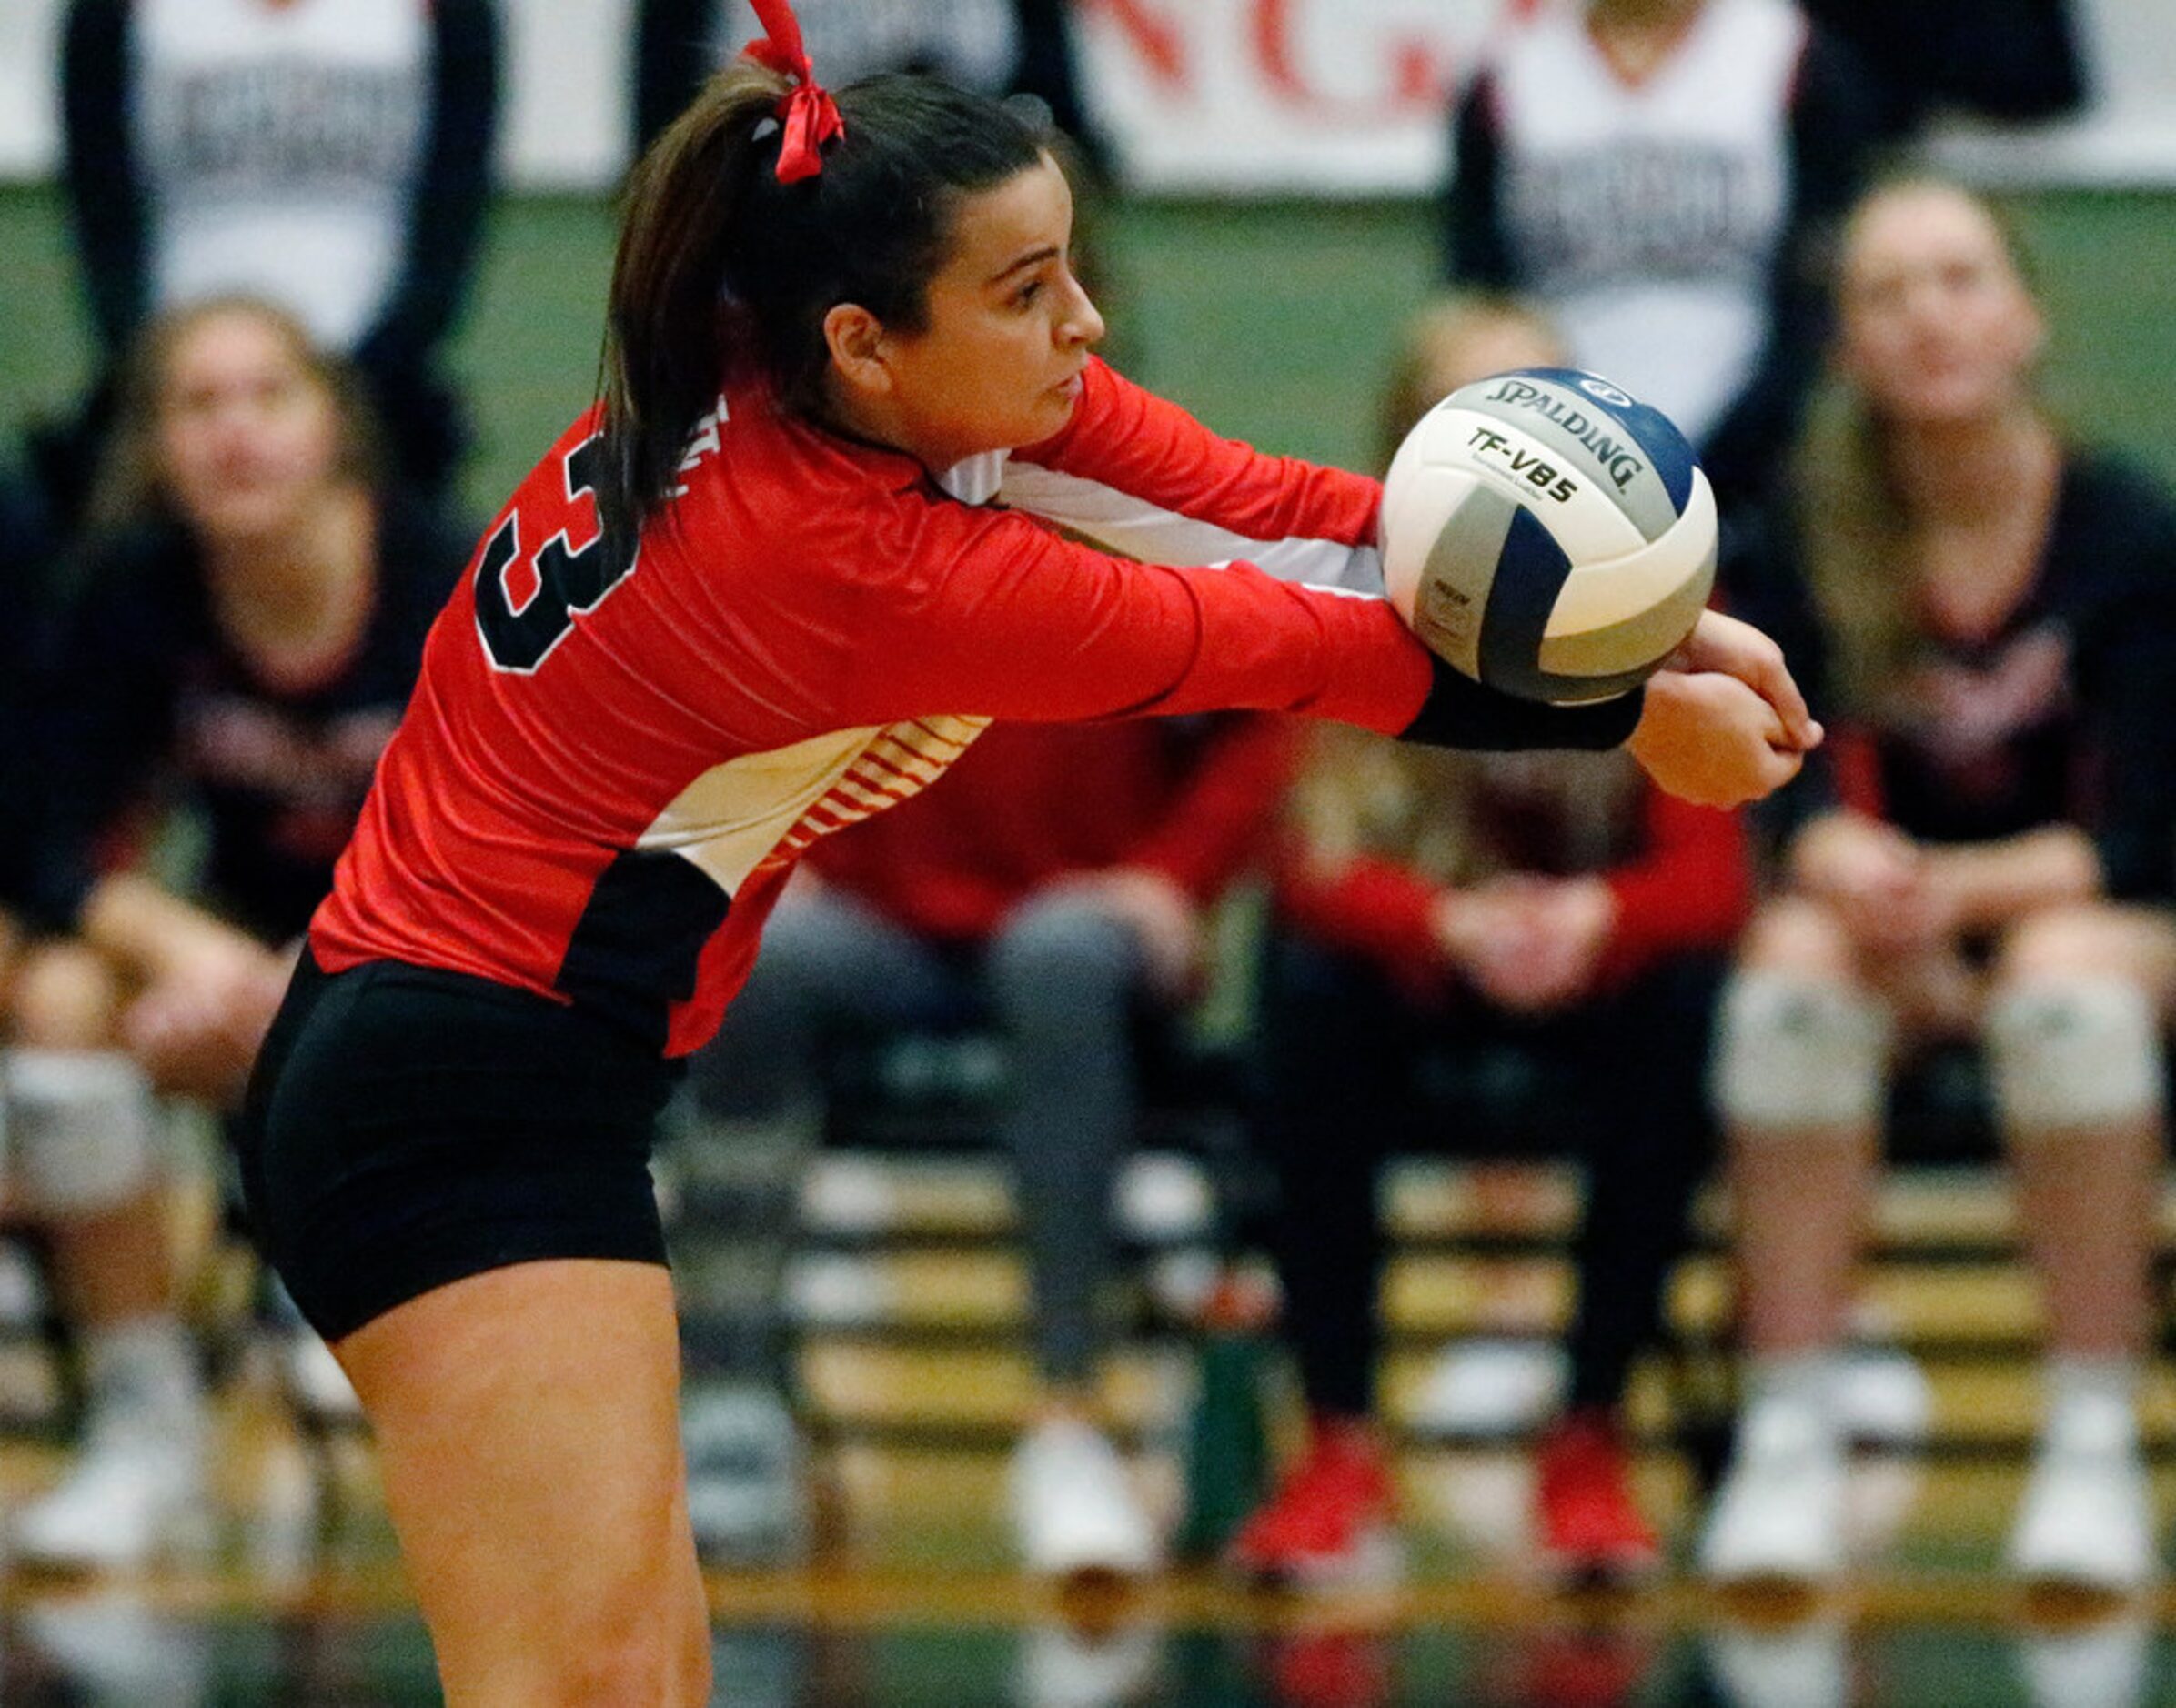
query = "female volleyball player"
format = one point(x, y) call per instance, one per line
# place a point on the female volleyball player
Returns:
point(746, 601)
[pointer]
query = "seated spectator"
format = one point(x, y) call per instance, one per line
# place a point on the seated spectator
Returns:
point(240, 637)
point(1986, 856)
point(1662, 178)
point(1447, 903)
point(332, 159)
point(1053, 890)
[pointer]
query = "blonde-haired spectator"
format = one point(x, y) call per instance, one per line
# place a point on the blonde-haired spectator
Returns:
point(1988, 858)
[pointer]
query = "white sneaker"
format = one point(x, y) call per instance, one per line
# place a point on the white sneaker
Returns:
point(2087, 1518)
point(1491, 1387)
point(1073, 1510)
point(133, 1493)
point(1779, 1513)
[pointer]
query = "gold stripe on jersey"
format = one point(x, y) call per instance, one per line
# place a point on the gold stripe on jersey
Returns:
point(762, 807)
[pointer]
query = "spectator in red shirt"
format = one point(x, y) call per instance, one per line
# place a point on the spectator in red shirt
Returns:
point(1054, 889)
point(1445, 902)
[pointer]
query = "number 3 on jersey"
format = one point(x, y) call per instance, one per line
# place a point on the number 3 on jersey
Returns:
point(525, 606)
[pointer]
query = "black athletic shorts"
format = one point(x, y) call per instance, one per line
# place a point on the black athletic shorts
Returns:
point(407, 1127)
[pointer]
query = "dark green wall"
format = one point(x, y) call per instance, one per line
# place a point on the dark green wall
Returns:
point(1271, 320)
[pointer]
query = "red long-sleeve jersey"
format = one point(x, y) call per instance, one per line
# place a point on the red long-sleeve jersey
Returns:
point(608, 770)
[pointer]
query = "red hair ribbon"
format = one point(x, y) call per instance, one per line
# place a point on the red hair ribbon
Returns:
point(807, 117)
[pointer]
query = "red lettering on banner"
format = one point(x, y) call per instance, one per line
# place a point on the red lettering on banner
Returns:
point(1159, 42)
point(1421, 72)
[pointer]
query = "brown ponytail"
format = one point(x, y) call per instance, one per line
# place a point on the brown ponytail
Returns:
point(722, 270)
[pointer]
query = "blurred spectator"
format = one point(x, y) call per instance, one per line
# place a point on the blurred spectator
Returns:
point(1053, 890)
point(1662, 178)
point(1442, 905)
point(2011, 60)
point(241, 637)
point(996, 47)
point(332, 157)
point(1984, 854)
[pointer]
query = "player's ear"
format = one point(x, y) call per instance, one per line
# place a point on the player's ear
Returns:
point(856, 340)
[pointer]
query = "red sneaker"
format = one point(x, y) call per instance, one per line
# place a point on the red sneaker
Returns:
point(1331, 1518)
point(1590, 1530)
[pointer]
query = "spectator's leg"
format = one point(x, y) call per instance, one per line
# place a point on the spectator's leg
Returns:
point(1800, 1065)
point(1648, 1046)
point(1800, 1068)
point(1336, 1047)
point(740, 1144)
point(86, 1161)
point(2073, 1028)
point(1064, 979)
point(828, 965)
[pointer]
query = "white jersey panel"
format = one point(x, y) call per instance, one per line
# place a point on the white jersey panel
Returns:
point(768, 807)
point(281, 144)
point(1139, 529)
point(1648, 217)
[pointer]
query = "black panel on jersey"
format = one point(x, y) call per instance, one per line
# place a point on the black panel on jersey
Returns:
point(634, 952)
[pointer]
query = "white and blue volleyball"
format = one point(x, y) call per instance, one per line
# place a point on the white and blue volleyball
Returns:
point(1548, 535)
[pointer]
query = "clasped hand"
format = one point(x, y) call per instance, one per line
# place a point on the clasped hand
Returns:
point(1724, 722)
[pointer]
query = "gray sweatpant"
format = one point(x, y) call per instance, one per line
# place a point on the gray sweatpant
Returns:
point(1060, 983)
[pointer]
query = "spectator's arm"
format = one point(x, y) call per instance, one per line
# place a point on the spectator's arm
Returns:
point(2127, 678)
point(1375, 907)
point(1761, 578)
point(103, 178)
point(1833, 124)
point(92, 736)
point(1049, 70)
point(1992, 884)
point(1689, 889)
point(2004, 60)
point(1475, 251)
point(676, 48)
point(445, 225)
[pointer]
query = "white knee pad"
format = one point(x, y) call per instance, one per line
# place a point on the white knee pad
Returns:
point(2071, 1054)
point(1794, 1054)
point(82, 1129)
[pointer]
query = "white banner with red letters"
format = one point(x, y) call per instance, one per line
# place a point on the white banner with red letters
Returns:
point(1349, 96)
point(1213, 97)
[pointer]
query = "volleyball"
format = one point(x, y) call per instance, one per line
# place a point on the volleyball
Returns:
point(1548, 535)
